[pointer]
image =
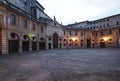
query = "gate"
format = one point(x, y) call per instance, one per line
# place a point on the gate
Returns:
point(88, 43)
point(13, 46)
point(25, 46)
point(55, 40)
point(102, 44)
point(41, 45)
point(34, 46)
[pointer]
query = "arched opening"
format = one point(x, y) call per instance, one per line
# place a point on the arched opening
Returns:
point(25, 43)
point(13, 43)
point(34, 43)
point(42, 44)
point(102, 43)
point(55, 40)
point(88, 43)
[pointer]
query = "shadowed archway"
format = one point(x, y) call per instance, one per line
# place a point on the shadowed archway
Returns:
point(14, 43)
point(55, 40)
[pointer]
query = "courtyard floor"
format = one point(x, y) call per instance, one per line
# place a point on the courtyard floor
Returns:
point(62, 65)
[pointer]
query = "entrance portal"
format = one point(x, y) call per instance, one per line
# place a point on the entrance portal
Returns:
point(55, 40)
point(42, 44)
point(25, 46)
point(102, 44)
point(88, 43)
point(34, 46)
point(13, 46)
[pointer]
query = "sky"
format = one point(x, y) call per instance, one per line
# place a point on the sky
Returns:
point(71, 11)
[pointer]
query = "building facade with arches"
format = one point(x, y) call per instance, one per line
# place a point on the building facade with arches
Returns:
point(25, 27)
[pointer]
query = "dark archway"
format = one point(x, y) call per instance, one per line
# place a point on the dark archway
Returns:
point(88, 43)
point(14, 43)
point(102, 44)
point(118, 43)
point(42, 44)
point(34, 44)
point(55, 40)
point(25, 43)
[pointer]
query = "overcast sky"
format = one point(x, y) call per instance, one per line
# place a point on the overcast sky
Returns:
point(70, 11)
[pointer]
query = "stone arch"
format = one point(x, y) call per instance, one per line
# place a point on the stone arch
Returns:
point(34, 43)
point(25, 43)
point(13, 42)
point(42, 43)
point(55, 40)
point(26, 37)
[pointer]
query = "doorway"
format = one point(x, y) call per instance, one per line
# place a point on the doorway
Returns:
point(55, 40)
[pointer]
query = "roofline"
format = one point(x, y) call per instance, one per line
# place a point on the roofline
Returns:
point(40, 4)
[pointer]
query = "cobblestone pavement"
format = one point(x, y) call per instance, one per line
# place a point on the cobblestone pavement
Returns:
point(62, 65)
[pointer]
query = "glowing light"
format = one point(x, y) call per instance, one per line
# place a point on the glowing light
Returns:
point(31, 35)
point(105, 38)
point(73, 38)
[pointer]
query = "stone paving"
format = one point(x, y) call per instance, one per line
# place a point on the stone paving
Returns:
point(62, 65)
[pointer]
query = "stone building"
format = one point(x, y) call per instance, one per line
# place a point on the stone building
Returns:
point(99, 33)
point(24, 26)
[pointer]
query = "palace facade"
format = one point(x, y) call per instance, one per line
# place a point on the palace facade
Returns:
point(25, 27)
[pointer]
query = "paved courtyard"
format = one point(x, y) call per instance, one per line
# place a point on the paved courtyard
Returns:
point(62, 65)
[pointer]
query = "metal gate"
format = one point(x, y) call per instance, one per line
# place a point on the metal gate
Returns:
point(34, 46)
point(13, 46)
point(102, 44)
point(88, 43)
point(55, 40)
point(41, 45)
point(25, 46)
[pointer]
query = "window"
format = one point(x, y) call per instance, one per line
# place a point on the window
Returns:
point(33, 26)
point(96, 34)
point(49, 39)
point(104, 25)
point(65, 40)
point(82, 33)
point(60, 39)
point(70, 33)
point(107, 24)
point(13, 19)
point(75, 32)
point(42, 29)
point(64, 32)
point(25, 23)
point(101, 32)
point(110, 31)
point(35, 13)
point(117, 22)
